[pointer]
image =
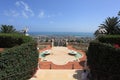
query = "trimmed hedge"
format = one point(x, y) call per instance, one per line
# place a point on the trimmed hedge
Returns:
point(11, 40)
point(19, 63)
point(103, 61)
point(112, 39)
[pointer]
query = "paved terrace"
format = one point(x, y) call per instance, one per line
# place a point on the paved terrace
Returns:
point(60, 59)
point(60, 56)
point(57, 75)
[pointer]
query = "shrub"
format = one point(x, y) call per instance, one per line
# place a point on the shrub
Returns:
point(103, 60)
point(112, 39)
point(11, 40)
point(19, 63)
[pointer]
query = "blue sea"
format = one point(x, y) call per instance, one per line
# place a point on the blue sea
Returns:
point(76, 34)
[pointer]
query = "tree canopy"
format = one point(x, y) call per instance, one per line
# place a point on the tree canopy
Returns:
point(7, 29)
point(110, 26)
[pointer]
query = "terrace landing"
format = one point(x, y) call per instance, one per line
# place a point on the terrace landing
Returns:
point(57, 75)
point(60, 59)
point(60, 65)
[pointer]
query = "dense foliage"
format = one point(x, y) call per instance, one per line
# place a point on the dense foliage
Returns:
point(103, 61)
point(19, 63)
point(110, 39)
point(104, 53)
point(7, 29)
point(10, 40)
point(110, 26)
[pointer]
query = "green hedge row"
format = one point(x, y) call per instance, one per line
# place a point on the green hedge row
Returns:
point(11, 40)
point(19, 63)
point(112, 39)
point(103, 61)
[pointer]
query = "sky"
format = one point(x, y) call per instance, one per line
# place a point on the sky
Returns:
point(57, 15)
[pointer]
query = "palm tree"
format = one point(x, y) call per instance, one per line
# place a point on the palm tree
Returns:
point(7, 29)
point(119, 13)
point(111, 25)
point(100, 31)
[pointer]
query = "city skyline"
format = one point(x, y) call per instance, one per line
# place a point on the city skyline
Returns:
point(57, 15)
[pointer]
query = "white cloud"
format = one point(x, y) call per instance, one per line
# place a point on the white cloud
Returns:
point(12, 13)
point(26, 10)
point(54, 15)
point(41, 14)
point(17, 3)
point(24, 14)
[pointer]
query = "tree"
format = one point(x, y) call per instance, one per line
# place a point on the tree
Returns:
point(119, 13)
point(100, 31)
point(110, 26)
point(7, 29)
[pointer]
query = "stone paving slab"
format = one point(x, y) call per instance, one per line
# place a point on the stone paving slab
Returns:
point(59, 56)
point(57, 75)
